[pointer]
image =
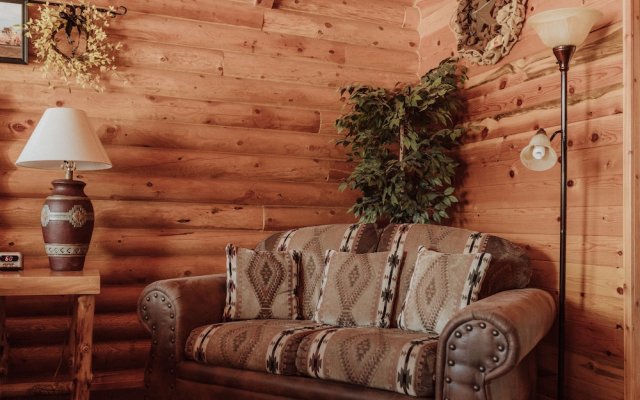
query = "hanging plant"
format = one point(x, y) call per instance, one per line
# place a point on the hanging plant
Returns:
point(400, 140)
point(71, 42)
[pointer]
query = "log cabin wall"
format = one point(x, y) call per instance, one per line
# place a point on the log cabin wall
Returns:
point(220, 129)
point(507, 103)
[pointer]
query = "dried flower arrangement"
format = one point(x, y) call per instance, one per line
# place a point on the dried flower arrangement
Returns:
point(70, 41)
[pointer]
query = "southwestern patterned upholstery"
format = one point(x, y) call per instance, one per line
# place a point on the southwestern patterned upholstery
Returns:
point(261, 284)
point(313, 242)
point(509, 268)
point(389, 359)
point(441, 285)
point(357, 289)
point(482, 352)
point(257, 345)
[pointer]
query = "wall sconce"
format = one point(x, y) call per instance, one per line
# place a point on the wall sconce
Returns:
point(561, 29)
point(64, 139)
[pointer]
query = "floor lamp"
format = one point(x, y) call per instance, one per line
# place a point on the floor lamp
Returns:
point(562, 30)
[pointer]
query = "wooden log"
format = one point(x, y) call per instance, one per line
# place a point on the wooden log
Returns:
point(42, 330)
point(336, 29)
point(242, 65)
point(163, 108)
point(264, 3)
point(126, 242)
point(595, 191)
point(164, 29)
point(591, 221)
point(594, 106)
point(375, 11)
point(217, 11)
point(200, 86)
point(107, 356)
point(282, 218)
point(22, 183)
point(587, 370)
point(139, 53)
point(193, 164)
point(596, 280)
point(600, 161)
point(604, 74)
point(594, 250)
point(593, 132)
point(381, 59)
point(19, 126)
point(81, 344)
point(603, 43)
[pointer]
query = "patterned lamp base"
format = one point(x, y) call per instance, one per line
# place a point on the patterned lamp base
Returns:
point(67, 225)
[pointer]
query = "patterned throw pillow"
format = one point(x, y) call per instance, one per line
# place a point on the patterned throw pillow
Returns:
point(357, 289)
point(441, 284)
point(261, 284)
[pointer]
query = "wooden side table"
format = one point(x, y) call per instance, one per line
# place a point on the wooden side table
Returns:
point(83, 286)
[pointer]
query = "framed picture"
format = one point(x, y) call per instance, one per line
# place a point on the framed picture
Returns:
point(13, 43)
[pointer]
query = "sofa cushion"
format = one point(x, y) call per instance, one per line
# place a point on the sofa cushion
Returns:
point(258, 345)
point(313, 242)
point(261, 284)
point(509, 267)
point(441, 285)
point(389, 359)
point(357, 289)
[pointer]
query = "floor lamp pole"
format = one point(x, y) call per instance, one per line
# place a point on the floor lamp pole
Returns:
point(563, 55)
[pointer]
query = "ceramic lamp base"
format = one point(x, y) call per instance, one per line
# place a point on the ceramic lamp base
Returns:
point(67, 225)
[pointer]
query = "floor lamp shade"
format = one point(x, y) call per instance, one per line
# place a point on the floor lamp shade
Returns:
point(564, 26)
point(64, 139)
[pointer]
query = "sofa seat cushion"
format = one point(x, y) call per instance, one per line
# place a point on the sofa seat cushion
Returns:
point(389, 359)
point(257, 345)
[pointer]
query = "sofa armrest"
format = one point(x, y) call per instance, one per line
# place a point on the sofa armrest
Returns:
point(485, 342)
point(170, 309)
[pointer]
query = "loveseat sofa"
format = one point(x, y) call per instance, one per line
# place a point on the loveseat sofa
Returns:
point(482, 351)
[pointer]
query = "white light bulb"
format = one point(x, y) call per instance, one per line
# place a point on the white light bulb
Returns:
point(538, 152)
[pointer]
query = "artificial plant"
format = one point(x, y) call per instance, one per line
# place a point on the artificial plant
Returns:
point(400, 140)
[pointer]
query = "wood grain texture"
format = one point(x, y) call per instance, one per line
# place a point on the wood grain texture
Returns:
point(220, 126)
point(631, 197)
point(507, 103)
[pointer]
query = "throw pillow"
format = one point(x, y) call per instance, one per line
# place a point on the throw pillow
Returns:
point(357, 289)
point(261, 284)
point(441, 284)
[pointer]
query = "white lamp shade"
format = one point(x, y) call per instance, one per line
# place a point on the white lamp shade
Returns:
point(564, 26)
point(64, 134)
point(538, 162)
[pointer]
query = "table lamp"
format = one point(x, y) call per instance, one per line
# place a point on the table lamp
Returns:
point(64, 139)
point(562, 30)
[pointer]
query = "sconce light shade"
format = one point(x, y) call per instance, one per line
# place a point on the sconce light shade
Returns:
point(564, 26)
point(538, 154)
point(64, 134)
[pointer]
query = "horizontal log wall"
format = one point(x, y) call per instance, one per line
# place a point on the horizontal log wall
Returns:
point(507, 103)
point(220, 128)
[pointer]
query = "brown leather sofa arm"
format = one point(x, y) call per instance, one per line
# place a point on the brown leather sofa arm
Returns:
point(481, 350)
point(170, 309)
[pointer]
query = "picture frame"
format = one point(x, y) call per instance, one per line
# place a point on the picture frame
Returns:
point(14, 48)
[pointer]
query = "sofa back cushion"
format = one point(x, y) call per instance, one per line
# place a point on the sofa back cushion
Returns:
point(509, 268)
point(313, 242)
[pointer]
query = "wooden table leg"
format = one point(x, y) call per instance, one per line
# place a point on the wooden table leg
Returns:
point(81, 342)
point(4, 344)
